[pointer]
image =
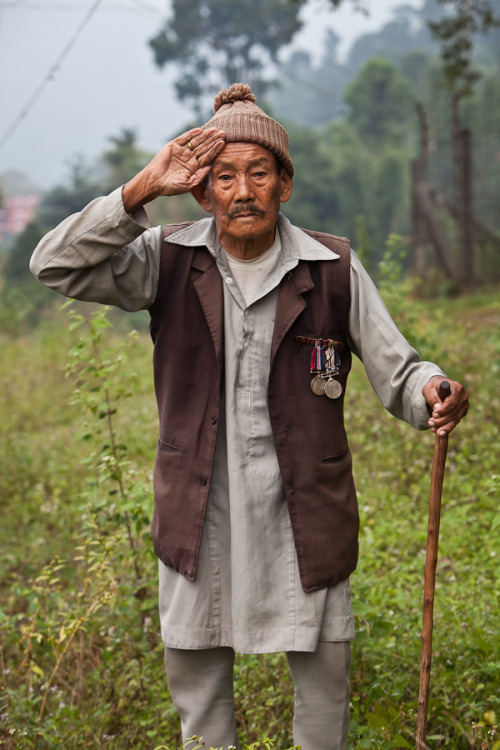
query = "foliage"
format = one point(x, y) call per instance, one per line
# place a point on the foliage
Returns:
point(342, 184)
point(311, 93)
point(62, 200)
point(217, 42)
point(124, 159)
point(381, 104)
point(456, 32)
point(22, 298)
point(80, 644)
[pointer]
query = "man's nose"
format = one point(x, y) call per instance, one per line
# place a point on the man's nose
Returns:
point(243, 189)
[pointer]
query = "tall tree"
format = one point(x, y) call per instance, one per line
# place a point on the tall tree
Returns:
point(218, 42)
point(125, 158)
point(63, 200)
point(381, 104)
point(456, 32)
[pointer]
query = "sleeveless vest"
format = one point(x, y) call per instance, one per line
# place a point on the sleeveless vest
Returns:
point(188, 333)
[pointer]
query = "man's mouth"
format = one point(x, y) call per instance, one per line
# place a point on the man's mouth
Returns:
point(247, 211)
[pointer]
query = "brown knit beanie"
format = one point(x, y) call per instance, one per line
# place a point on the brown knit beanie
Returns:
point(236, 113)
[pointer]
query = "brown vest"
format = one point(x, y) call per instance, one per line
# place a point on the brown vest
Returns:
point(315, 463)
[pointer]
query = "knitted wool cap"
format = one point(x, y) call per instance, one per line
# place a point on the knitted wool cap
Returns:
point(236, 113)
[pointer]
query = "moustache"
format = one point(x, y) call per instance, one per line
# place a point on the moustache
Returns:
point(249, 208)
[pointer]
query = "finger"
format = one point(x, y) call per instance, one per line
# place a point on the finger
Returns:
point(207, 139)
point(199, 140)
point(210, 154)
point(198, 176)
point(188, 136)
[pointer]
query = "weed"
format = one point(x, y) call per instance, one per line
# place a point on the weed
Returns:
point(81, 658)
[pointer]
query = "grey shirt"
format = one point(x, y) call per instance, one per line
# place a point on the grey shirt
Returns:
point(247, 593)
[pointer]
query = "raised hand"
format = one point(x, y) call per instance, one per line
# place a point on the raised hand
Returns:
point(180, 165)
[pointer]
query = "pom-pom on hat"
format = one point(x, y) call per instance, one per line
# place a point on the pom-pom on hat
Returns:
point(243, 121)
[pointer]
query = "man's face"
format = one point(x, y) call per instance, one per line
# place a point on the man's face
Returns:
point(244, 192)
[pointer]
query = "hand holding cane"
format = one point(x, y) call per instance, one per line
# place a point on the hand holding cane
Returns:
point(438, 466)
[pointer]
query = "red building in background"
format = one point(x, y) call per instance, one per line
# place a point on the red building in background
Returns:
point(16, 212)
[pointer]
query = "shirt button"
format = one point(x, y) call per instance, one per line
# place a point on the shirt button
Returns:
point(245, 345)
point(247, 312)
point(229, 280)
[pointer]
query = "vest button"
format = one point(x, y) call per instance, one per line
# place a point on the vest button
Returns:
point(203, 482)
point(214, 420)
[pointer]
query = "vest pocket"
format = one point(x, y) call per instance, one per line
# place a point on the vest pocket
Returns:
point(334, 457)
point(167, 447)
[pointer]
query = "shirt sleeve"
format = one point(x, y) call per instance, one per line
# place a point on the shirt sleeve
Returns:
point(394, 368)
point(102, 254)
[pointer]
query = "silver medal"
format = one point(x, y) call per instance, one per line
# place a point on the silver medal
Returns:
point(333, 389)
point(318, 386)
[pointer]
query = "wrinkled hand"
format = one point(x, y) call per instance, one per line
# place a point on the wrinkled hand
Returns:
point(180, 165)
point(448, 413)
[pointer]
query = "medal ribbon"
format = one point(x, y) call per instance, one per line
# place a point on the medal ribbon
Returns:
point(318, 357)
point(320, 342)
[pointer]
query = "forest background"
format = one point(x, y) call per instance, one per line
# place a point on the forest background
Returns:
point(80, 651)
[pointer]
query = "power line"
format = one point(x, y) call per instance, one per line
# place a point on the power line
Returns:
point(48, 76)
point(140, 5)
point(121, 5)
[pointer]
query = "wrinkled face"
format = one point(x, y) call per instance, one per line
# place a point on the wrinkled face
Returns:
point(244, 192)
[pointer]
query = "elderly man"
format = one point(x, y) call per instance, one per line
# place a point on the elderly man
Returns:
point(253, 320)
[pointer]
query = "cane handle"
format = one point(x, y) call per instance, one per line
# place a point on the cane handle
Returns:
point(444, 390)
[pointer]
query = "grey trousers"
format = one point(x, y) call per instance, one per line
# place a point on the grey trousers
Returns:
point(201, 686)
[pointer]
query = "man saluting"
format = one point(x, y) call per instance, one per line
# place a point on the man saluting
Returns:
point(254, 321)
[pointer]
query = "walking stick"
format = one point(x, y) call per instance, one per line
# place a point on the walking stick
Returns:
point(440, 450)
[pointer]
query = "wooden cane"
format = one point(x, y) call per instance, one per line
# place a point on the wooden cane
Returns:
point(440, 450)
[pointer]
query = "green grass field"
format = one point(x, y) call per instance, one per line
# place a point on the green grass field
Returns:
point(81, 658)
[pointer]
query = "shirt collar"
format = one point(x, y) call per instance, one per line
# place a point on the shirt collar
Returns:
point(295, 243)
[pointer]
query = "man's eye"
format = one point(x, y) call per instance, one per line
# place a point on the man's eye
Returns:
point(224, 177)
point(261, 173)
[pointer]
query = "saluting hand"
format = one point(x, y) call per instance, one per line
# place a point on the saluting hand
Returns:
point(180, 165)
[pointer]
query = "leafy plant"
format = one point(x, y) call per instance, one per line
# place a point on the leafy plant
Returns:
point(81, 659)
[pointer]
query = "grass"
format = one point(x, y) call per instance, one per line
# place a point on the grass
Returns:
point(80, 650)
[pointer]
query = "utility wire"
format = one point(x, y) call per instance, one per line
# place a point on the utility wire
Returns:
point(48, 76)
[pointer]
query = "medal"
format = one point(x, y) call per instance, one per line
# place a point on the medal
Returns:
point(325, 366)
point(333, 389)
point(318, 361)
point(318, 385)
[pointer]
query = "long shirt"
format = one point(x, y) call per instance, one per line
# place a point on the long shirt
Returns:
point(247, 593)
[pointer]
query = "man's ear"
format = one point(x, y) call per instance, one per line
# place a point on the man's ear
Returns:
point(286, 186)
point(200, 194)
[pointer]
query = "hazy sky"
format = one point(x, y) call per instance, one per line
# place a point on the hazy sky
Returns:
point(107, 79)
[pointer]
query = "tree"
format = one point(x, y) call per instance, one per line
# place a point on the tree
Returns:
point(381, 104)
point(312, 93)
point(22, 298)
point(64, 200)
point(219, 42)
point(125, 159)
point(456, 32)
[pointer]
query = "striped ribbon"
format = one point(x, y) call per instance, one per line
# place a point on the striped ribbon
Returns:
point(318, 358)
